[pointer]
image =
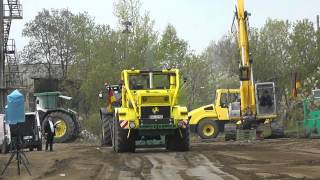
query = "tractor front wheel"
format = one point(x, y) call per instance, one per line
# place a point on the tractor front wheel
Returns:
point(121, 142)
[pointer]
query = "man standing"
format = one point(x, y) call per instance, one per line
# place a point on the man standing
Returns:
point(49, 132)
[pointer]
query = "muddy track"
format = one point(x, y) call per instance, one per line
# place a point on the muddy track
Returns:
point(269, 159)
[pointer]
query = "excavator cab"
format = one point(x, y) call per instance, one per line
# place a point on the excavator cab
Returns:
point(265, 100)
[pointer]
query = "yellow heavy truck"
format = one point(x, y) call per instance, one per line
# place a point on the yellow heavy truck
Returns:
point(208, 121)
point(149, 110)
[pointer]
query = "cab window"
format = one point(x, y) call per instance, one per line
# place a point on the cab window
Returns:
point(224, 100)
point(227, 98)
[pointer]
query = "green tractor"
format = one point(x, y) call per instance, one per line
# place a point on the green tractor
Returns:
point(66, 120)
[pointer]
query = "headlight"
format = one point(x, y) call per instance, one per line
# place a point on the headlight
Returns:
point(132, 125)
point(180, 124)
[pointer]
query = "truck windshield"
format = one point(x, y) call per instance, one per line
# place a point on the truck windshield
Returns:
point(149, 81)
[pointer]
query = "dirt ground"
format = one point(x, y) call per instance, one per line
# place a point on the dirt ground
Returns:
point(267, 159)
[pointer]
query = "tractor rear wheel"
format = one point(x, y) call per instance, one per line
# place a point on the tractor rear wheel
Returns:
point(180, 141)
point(208, 129)
point(66, 130)
point(106, 128)
point(121, 142)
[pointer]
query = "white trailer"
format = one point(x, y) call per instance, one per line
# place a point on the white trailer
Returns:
point(5, 136)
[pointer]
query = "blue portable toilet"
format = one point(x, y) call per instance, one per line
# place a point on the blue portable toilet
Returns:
point(15, 108)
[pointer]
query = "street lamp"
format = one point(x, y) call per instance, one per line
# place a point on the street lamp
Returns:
point(127, 25)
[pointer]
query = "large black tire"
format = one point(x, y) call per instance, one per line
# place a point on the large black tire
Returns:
point(106, 129)
point(208, 129)
point(179, 141)
point(71, 130)
point(121, 142)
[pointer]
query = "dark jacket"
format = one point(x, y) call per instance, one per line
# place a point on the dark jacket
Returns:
point(48, 130)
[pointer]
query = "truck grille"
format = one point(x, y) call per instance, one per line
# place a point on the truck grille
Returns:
point(155, 115)
point(155, 110)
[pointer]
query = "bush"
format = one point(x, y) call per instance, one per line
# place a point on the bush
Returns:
point(92, 123)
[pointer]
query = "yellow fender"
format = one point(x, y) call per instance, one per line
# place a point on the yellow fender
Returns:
point(204, 112)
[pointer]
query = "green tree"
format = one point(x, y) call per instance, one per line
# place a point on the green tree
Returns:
point(50, 39)
point(172, 51)
point(271, 54)
point(223, 55)
point(137, 44)
point(198, 88)
point(303, 48)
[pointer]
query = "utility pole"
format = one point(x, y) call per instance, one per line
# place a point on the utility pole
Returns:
point(127, 25)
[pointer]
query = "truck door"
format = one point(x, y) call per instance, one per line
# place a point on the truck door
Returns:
point(222, 105)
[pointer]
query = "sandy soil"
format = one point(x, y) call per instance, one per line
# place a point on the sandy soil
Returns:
point(267, 159)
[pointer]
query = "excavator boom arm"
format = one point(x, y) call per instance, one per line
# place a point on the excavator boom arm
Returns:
point(246, 76)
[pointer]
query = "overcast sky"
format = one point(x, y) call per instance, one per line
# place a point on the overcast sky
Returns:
point(197, 21)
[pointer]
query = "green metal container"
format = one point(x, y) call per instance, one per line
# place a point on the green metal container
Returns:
point(47, 100)
point(311, 120)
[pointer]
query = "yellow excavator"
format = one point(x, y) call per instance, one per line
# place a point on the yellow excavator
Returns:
point(256, 107)
point(257, 100)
